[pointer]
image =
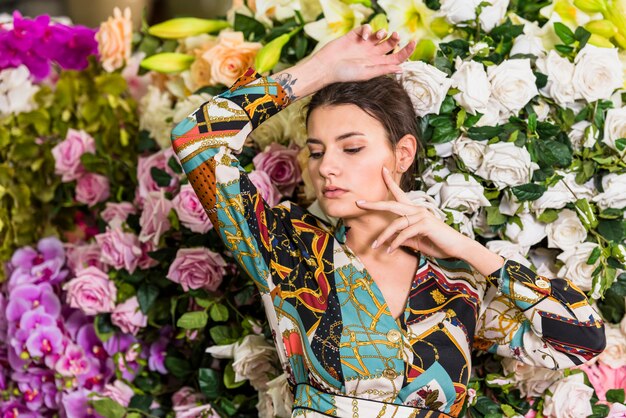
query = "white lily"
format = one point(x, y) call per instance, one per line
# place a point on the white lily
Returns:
point(339, 19)
point(410, 18)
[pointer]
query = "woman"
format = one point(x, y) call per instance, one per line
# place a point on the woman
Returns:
point(361, 332)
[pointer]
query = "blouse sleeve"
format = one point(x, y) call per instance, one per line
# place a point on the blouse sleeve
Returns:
point(205, 143)
point(539, 321)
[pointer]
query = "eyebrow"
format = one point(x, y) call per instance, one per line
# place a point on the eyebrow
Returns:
point(339, 138)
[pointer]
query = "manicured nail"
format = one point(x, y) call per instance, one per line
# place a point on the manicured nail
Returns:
point(389, 250)
point(360, 202)
point(375, 244)
point(385, 169)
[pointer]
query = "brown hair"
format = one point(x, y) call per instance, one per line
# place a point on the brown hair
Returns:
point(384, 99)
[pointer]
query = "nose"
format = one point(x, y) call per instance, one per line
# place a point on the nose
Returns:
point(329, 164)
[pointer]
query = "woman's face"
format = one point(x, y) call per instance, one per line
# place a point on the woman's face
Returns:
point(348, 149)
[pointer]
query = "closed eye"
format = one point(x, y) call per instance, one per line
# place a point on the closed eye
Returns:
point(318, 155)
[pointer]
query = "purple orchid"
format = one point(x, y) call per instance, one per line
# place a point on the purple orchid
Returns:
point(29, 296)
point(73, 362)
point(38, 388)
point(45, 341)
point(76, 405)
point(36, 318)
point(80, 44)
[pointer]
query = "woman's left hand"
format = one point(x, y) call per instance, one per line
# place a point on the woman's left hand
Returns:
point(416, 227)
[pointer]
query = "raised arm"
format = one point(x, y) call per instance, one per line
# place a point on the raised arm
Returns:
point(207, 140)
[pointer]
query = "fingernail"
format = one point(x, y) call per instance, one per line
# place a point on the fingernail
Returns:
point(375, 244)
point(389, 250)
point(385, 169)
point(360, 202)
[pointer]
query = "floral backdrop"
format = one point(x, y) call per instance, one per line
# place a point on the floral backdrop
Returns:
point(117, 296)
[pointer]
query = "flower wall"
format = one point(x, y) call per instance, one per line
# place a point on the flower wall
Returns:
point(117, 296)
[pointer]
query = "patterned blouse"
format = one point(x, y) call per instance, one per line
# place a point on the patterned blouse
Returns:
point(344, 353)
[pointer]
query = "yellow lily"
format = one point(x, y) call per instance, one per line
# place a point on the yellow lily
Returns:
point(168, 62)
point(183, 27)
point(269, 55)
point(339, 19)
point(410, 18)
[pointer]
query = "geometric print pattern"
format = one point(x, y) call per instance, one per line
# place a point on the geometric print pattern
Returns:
point(344, 353)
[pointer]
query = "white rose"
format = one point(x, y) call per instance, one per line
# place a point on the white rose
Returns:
point(533, 232)
point(512, 84)
point(492, 15)
point(560, 73)
point(470, 152)
point(155, 109)
point(542, 109)
point(282, 399)
point(435, 173)
point(443, 150)
point(463, 222)
point(528, 44)
point(544, 261)
point(457, 192)
point(253, 360)
point(531, 381)
point(614, 195)
point(506, 164)
point(426, 85)
point(614, 355)
point(480, 225)
point(458, 11)
point(494, 114)
point(566, 232)
point(420, 198)
point(583, 131)
point(509, 250)
point(614, 127)
point(509, 204)
point(575, 266)
point(598, 73)
point(16, 91)
point(284, 128)
point(558, 195)
point(470, 78)
point(570, 398)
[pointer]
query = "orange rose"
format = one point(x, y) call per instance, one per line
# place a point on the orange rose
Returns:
point(114, 40)
point(223, 61)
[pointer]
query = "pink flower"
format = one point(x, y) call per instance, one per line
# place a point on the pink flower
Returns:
point(128, 317)
point(82, 256)
point(153, 221)
point(119, 391)
point(67, 154)
point(144, 176)
point(617, 410)
point(186, 396)
point(117, 212)
point(91, 291)
point(145, 261)
point(265, 187)
point(119, 249)
point(196, 268)
point(92, 188)
point(603, 377)
point(281, 164)
point(190, 211)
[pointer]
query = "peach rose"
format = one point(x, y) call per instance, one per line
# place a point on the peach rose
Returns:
point(223, 60)
point(114, 40)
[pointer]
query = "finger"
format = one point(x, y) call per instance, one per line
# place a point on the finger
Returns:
point(388, 205)
point(410, 232)
point(396, 226)
point(395, 189)
point(401, 55)
point(380, 34)
point(390, 43)
point(364, 31)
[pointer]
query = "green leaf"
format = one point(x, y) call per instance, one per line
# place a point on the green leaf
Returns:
point(552, 153)
point(541, 79)
point(229, 377)
point(146, 295)
point(445, 134)
point(108, 408)
point(484, 132)
point(508, 410)
point(612, 230)
point(620, 144)
point(174, 165)
point(564, 49)
point(141, 402)
point(219, 312)
point(615, 395)
point(528, 192)
point(252, 28)
point(494, 217)
point(222, 334)
point(210, 383)
point(177, 366)
point(593, 257)
point(193, 320)
point(160, 177)
point(548, 216)
point(564, 33)
point(582, 36)
point(103, 327)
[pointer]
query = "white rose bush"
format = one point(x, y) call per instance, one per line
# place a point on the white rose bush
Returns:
point(117, 296)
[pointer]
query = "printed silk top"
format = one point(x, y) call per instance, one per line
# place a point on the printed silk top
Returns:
point(344, 353)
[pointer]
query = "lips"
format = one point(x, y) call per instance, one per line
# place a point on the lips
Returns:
point(332, 191)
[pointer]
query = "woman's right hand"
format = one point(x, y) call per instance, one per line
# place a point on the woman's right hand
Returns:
point(361, 55)
point(358, 55)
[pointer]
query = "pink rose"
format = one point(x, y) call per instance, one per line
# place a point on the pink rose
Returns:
point(603, 377)
point(145, 261)
point(128, 317)
point(186, 396)
point(281, 164)
point(119, 211)
point(617, 410)
point(265, 187)
point(67, 154)
point(153, 220)
point(119, 249)
point(92, 188)
point(190, 211)
point(91, 291)
point(119, 391)
point(196, 268)
point(83, 256)
point(144, 177)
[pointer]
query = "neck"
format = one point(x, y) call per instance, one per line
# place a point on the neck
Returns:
point(364, 230)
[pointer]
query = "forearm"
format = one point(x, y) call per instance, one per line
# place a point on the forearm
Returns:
point(302, 79)
point(480, 258)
